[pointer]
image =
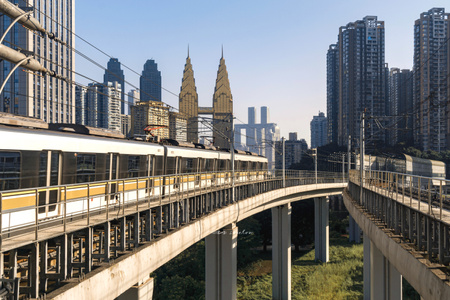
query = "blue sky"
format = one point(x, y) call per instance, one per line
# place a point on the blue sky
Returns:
point(275, 51)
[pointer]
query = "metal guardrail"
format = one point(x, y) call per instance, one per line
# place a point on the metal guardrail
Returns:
point(416, 208)
point(405, 188)
point(85, 203)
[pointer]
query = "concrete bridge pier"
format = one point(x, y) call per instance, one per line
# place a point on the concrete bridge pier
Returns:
point(354, 231)
point(143, 290)
point(281, 252)
point(321, 228)
point(221, 263)
point(381, 278)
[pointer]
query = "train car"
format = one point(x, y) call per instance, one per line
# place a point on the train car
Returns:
point(409, 165)
point(71, 169)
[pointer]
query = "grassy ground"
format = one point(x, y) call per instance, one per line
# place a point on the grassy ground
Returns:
point(340, 278)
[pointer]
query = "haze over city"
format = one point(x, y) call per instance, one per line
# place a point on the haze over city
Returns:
point(275, 51)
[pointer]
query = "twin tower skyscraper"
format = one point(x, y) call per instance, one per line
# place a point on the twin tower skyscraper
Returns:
point(221, 110)
point(150, 91)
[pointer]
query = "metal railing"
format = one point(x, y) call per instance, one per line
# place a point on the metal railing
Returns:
point(405, 188)
point(87, 204)
point(415, 208)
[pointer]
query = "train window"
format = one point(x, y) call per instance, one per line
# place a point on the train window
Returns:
point(244, 165)
point(159, 165)
point(134, 162)
point(85, 167)
point(101, 167)
point(188, 165)
point(209, 165)
point(171, 166)
point(9, 170)
point(222, 164)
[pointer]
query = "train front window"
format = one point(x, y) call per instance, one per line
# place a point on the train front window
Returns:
point(9, 170)
point(85, 167)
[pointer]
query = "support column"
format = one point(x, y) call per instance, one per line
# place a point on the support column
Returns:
point(366, 267)
point(221, 263)
point(281, 252)
point(321, 228)
point(354, 231)
point(386, 281)
point(143, 290)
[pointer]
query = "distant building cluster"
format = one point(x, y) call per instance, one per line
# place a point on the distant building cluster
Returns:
point(409, 106)
point(106, 103)
point(259, 138)
point(143, 114)
point(294, 150)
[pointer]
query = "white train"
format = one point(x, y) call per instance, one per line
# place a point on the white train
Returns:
point(45, 174)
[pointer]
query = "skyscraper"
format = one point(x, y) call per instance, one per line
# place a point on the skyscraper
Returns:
point(332, 93)
point(133, 98)
point(362, 78)
point(114, 73)
point(188, 101)
point(293, 150)
point(318, 127)
point(93, 95)
point(44, 97)
point(109, 106)
point(81, 105)
point(150, 82)
point(400, 106)
point(222, 108)
point(431, 78)
point(102, 105)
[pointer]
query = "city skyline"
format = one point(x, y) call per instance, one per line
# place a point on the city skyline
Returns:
point(275, 52)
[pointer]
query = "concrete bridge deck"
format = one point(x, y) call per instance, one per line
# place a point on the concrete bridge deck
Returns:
point(403, 236)
point(117, 276)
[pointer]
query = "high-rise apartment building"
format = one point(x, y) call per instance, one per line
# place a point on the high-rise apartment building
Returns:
point(400, 106)
point(150, 82)
point(109, 106)
point(431, 80)
point(177, 126)
point(29, 94)
point(152, 117)
point(133, 98)
point(318, 127)
point(81, 109)
point(114, 73)
point(332, 93)
point(293, 150)
point(125, 121)
point(188, 101)
point(362, 79)
point(93, 100)
point(99, 105)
